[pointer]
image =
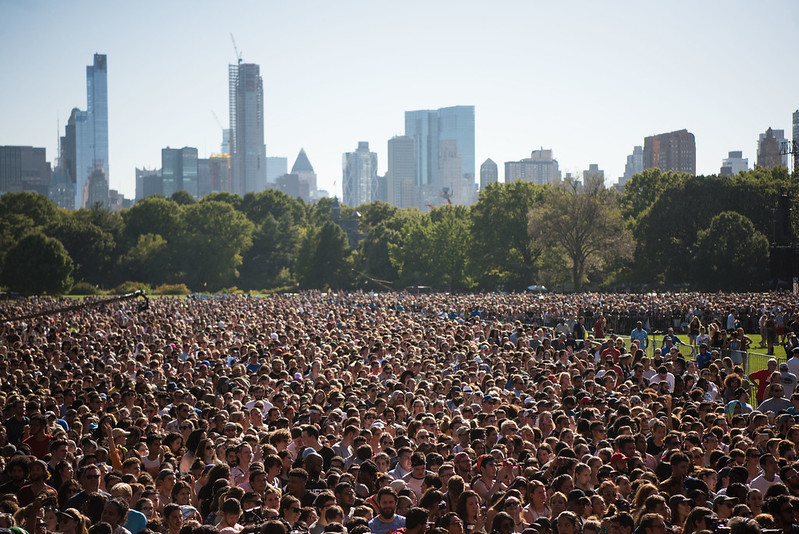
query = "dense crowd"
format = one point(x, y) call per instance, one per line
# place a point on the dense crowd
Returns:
point(437, 413)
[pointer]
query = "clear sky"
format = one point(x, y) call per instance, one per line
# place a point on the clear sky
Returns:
point(587, 79)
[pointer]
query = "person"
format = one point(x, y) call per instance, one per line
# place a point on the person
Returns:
point(762, 377)
point(231, 513)
point(777, 401)
point(386, 519)
point(115, 513)
point(769, 476)
point(71, 521)
point(639, 334)
point(788, 379)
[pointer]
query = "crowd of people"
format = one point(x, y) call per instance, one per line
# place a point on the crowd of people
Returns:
point(433, 413)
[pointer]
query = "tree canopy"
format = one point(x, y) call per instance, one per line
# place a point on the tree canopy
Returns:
point(666, 230)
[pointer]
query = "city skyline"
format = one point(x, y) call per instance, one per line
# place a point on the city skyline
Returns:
point(598, 100)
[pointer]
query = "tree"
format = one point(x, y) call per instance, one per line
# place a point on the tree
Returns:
point(323, 260)
point(382, 225)
point(37, 265)
point(212, 237)
point(643, 189)
point(730, 254)
point(268, 262)
point(434, 250)
point(183, 198)
point(152, 215)
point(88, 245)
point(583, 221)
point(667, 230)
point(149, 260)
point(502, 250)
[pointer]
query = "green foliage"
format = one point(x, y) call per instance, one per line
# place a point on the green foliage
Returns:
point(183, 198)
point(90, 247)
point(84, 288)
point(149, 259)
point(730, 254)
point(37, 265)
point(585, 223)
point(666, 232)
point(382, 225)
point(223, 196)
point(208, 248)
point(435, 250)
point(268, 262)
point(502, 250)
point(129, 287)
point(171, 289)
point(323, 260)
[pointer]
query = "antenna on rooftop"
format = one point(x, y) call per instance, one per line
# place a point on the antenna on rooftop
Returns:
point(236, 48)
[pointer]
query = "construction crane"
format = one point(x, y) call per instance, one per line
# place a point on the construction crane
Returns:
point(236, 48)
point(217, 121)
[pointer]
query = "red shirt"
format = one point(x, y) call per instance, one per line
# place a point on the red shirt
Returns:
point(39, 448)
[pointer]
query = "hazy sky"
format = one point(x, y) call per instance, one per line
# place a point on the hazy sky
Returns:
point(587, 79)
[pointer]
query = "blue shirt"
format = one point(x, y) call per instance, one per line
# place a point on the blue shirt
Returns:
point(640, 336)
point(381, 527)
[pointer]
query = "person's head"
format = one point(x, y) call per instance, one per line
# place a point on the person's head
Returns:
point(90, 478)
point(72, 521)
point(290, 509)
point(231, 511)
point(503, 524)
point(567, 523)
point(115, 512)
point(653, 524)
point(386, 502)
point(173, 517)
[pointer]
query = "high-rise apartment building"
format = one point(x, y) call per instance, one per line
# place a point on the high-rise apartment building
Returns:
point(768, 149)
point(442, 136)
point(489, 173)
point(734, 163)
point(179, 170)
point(672, 151)
point(540, 168)
point(593, 172)
point(148, 183)
point(247, 148)
point(97, 108)
point(84, 146)
point(634, 165)
point(24, 168)
point(360, 175)
point(401, 176)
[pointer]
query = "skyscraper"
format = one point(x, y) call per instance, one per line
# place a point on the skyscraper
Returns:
point(247, 148)
point(453, 126)
point(303, 169)
point(634, 165)
point(593, 172)
point(768, 149)
point(489, 173)
point(401, 176)
point(734, 163)
point(360, 175)
point(97, 108)
point(24, 168)
point(179, 170)
point(540, 168)
point(84, 146)
point(673, 151)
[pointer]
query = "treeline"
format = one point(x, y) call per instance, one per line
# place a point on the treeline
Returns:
point(666, 230)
